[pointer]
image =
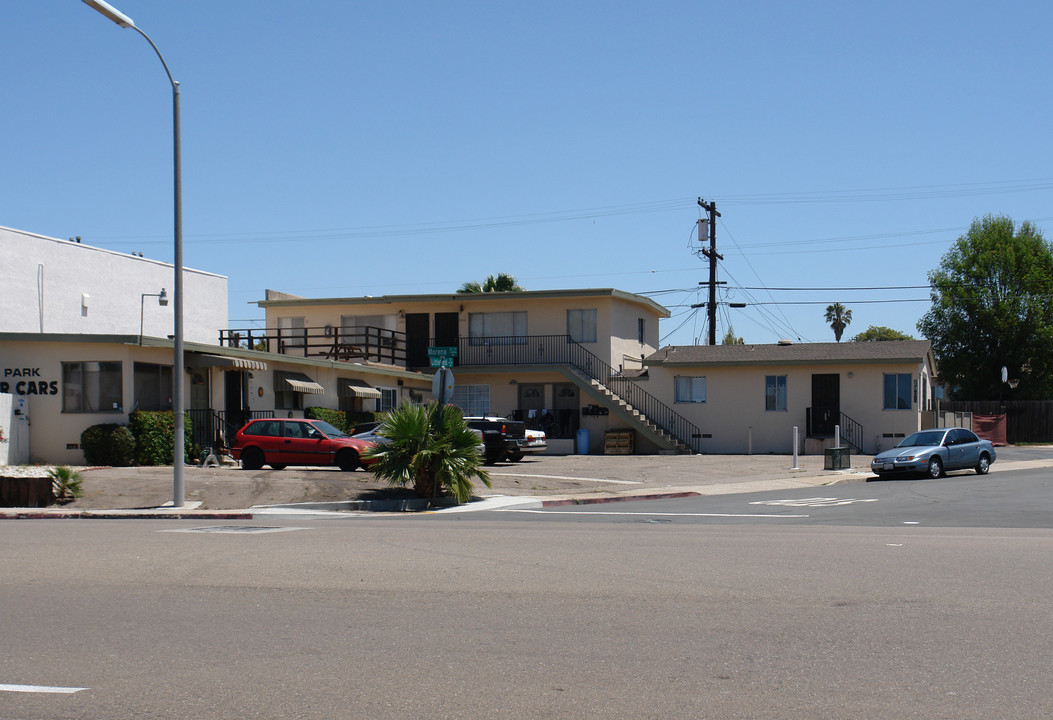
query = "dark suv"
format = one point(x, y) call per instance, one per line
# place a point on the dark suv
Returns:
point(501, 437)
point(279, 442)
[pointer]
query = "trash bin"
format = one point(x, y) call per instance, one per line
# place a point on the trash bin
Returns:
point(583, 441)
point(837, 458)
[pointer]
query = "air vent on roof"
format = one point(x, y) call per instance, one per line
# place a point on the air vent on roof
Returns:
point(784, 341)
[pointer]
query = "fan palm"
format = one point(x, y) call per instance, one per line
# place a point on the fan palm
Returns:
point(839, 318)
point(431, 448)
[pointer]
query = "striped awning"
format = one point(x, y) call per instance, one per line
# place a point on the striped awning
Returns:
point(297, 382)
point(226, 362)
point(349, 387)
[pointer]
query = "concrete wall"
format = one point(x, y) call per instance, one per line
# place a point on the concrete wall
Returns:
point(58, 286)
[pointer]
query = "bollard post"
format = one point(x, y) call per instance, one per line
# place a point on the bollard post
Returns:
point(795, 449)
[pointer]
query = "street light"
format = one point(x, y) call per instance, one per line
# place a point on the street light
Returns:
point(162, 300)
point(178, 485)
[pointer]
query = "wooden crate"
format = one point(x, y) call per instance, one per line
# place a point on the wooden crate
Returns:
point(618, 442)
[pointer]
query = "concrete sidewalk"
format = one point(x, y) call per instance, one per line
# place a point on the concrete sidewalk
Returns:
point(233, 493)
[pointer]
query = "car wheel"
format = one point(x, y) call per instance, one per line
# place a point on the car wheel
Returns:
point(347, 460)
point(984, 466)
point(515, 455)
point(252, 459)
point(277, 466)
point(935, 467)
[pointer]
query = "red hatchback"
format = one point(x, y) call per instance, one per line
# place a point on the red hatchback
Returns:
point(279, 442)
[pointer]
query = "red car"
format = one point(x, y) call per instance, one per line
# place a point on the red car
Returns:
point(279, 442)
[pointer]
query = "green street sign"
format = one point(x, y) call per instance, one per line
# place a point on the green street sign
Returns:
point(442, 352)
point(439, 362)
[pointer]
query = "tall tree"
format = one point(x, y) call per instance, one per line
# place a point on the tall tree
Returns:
point(839, 318)
point(880, 332)
point(731, 339)
point(991, 307)
point(503, 282)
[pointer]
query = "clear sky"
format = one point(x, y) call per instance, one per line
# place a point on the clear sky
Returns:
point(339, 148)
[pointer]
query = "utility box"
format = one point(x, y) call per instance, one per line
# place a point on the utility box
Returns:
point(837, 458)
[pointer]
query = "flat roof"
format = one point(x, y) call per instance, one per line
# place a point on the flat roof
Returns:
point(794, 353)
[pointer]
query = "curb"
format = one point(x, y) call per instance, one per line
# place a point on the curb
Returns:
point(30, 514)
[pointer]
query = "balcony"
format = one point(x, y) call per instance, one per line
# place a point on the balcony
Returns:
point(354, 344)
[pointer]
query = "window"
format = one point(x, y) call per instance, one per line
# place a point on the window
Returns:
point(689, 389)
point(152, 386)
point(473, 400)
point(291, 330)
point(641, 330)
point(774, 392)
point(498, 328)
point(897, 391)
point(581, 325)
point(92, 387)
point(367, 329)
point(389, 398)
point(288, 400)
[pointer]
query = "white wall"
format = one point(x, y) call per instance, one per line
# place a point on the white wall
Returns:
point(44, 281)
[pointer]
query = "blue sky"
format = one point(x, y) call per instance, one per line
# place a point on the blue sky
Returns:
point(337, 148)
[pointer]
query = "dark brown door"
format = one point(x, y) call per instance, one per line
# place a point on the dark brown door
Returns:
point(417, 339)
point(826, 404)
point(446, 330)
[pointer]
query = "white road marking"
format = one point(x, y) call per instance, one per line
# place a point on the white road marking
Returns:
point(910, 522)
point(39, 689)
point(813, 502)
point(567, 477)
point(651, 514)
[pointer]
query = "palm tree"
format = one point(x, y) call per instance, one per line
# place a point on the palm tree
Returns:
point(839, 318)
point(431, 448)
point(502, 283)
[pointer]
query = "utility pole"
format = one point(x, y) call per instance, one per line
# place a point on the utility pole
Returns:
point(711, 253)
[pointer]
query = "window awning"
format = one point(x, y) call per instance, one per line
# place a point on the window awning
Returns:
point(349, 387)
point(297, 382)
point(227, 363)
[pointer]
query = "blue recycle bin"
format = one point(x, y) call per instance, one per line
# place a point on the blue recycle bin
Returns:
point(583, 441)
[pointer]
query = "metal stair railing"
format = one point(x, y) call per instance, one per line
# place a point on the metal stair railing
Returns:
point(562, 350)
point(851, 432)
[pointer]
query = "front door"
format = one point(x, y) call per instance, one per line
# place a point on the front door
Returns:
point(417, 339)
point(235, 403)
point(826, 404)
point(446, 330)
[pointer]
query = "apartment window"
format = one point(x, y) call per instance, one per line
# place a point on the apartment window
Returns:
point(473, 400)
point(897, 391)
point(367, 329)
point(774, 392)
point(389, 398)
point(498, 328)
point(641, 330)
point(581, 325)
point(689, 389)
point(92, 387)
point(291, 330)
point(153, 386)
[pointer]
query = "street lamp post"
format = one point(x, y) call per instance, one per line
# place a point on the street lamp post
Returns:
point(162, 300)
point(178, 483)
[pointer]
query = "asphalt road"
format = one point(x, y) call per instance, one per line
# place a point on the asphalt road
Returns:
point(481, 615)
point(1012, 499)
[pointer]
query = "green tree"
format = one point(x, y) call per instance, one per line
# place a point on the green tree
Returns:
point(991, 307)
point(502, 283)
point(731, 339)
point(876, 333)
point(430, 448)
point(839, 318)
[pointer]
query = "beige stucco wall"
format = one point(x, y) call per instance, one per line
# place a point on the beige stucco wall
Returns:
point(734, 412)
point(616, 318)
point(58, 286)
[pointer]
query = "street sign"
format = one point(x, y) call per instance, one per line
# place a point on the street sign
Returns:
point(442, 385)
point(442, 356)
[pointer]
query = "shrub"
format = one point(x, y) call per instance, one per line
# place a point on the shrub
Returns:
point(65, 483)
point(108, 444)
point(154, 436)
point(336, 418)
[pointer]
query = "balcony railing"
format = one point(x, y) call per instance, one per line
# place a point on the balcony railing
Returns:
point(352, 344)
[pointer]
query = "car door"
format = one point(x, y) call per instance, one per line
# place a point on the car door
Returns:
point(969, 449)
point(300, 445)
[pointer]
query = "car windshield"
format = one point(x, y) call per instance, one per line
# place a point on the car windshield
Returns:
point(329, 429)
point(926, 438)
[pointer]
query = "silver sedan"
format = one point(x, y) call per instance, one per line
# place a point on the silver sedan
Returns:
point(933, 452)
